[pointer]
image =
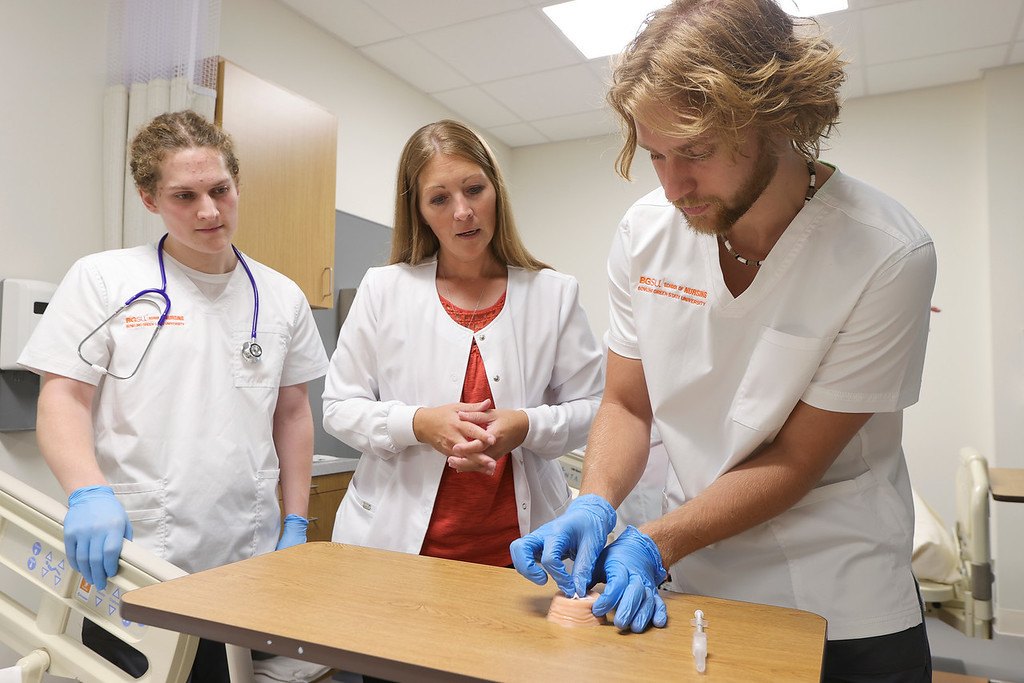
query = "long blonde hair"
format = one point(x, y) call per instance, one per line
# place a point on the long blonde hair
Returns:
point(413, 241)
point(727, 67)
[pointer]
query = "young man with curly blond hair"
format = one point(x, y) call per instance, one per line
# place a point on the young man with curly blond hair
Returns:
point(769, 314)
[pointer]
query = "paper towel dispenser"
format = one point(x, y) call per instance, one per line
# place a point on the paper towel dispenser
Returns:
point(22, 303)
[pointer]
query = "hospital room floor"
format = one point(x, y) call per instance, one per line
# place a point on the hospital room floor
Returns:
point(1001, 659)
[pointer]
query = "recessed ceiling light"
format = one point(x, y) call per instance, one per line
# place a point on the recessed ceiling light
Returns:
point(811, 8)
point(604, 27)
point(601, 27)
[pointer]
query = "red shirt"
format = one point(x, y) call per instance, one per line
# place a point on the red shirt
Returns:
point(474, 516)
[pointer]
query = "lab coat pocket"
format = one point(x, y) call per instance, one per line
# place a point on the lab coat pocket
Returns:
point(779, 371)
point(146, 505)
point(354, 520)
point(363, 506)
point(266, 371)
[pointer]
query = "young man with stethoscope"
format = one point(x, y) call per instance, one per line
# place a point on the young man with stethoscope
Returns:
point(169, 413)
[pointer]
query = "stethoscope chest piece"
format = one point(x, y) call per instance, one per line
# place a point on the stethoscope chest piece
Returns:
point(252, 351)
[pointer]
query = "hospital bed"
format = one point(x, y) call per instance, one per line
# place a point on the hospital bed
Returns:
point(32, 546)
point(962, 598)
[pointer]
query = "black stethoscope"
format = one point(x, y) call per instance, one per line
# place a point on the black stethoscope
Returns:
point(251, 350)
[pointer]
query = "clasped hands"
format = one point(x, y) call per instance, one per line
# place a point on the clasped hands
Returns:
point(472, 435)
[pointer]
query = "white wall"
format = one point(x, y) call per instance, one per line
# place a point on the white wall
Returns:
point(568, 201)
point(54, 55)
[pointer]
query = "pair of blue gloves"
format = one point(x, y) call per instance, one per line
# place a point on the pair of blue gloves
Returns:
point(96, 524)
point(630, 567)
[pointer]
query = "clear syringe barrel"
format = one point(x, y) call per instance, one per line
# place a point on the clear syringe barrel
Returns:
point(700, 641)
point(700, 650)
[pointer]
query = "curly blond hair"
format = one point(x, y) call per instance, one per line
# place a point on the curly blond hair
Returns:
point(169, 133)
point(727, 67)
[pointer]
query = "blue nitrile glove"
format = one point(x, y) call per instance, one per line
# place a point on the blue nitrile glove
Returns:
point(294, 532)
point(94, 529)
point(632, 571)
point(579, 533)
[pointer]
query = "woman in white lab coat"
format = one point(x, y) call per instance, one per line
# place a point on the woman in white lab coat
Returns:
point(465, 368)
point(177, 439)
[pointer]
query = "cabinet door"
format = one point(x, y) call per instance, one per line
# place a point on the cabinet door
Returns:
point(325, 494)
point(287, 150)
point(322, 509)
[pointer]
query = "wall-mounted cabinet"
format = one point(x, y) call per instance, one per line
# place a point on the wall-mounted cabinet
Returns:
point(287, 150)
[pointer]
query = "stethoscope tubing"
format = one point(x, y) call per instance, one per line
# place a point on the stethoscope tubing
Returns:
point(251, 351)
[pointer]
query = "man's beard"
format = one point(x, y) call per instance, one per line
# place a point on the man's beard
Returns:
point(721, 216)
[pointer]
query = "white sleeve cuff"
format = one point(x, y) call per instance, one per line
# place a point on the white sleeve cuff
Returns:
point(399, 424)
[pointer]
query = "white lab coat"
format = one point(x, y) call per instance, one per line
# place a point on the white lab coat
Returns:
point(399, 350)
point(187, 444)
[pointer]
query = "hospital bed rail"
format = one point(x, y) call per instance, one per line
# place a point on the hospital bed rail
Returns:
point(32, 546)
point(966, 604)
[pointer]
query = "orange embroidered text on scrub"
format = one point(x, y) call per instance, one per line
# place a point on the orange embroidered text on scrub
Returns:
point(672, 290)
point(132, 321)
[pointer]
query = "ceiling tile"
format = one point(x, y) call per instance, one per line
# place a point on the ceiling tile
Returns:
point(502, 63)
point(1017, 53)
point(500, 47)
point(476, 106)
point(417, 66)
point(951, 67)
point(571, 90)
point(602, 68)
point(518, 135)
point(939, 26)
point(844, 30)
point(350, 20)
point(861, 4)
point(600, 122)
point(420, 15)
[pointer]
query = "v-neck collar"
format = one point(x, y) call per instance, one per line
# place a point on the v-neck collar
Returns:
point(778, 262)
point(183, 279)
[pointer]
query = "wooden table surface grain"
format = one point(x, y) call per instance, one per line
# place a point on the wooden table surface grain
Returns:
point(411, 618)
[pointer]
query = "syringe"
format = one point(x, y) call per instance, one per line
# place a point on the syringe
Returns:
point(700, 641)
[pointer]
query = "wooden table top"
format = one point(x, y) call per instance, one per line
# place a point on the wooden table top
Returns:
point(1006, 484)
point(408, 617)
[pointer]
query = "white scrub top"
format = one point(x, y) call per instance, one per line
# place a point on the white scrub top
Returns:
point(187, 443)
point(837, 317)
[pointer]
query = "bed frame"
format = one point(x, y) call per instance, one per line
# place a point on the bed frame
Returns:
point(32, 547)
point(967, 604)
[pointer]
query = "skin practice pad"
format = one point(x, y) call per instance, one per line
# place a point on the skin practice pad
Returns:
point(574, 611)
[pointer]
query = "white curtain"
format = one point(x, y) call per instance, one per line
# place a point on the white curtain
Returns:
point(162, 58)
